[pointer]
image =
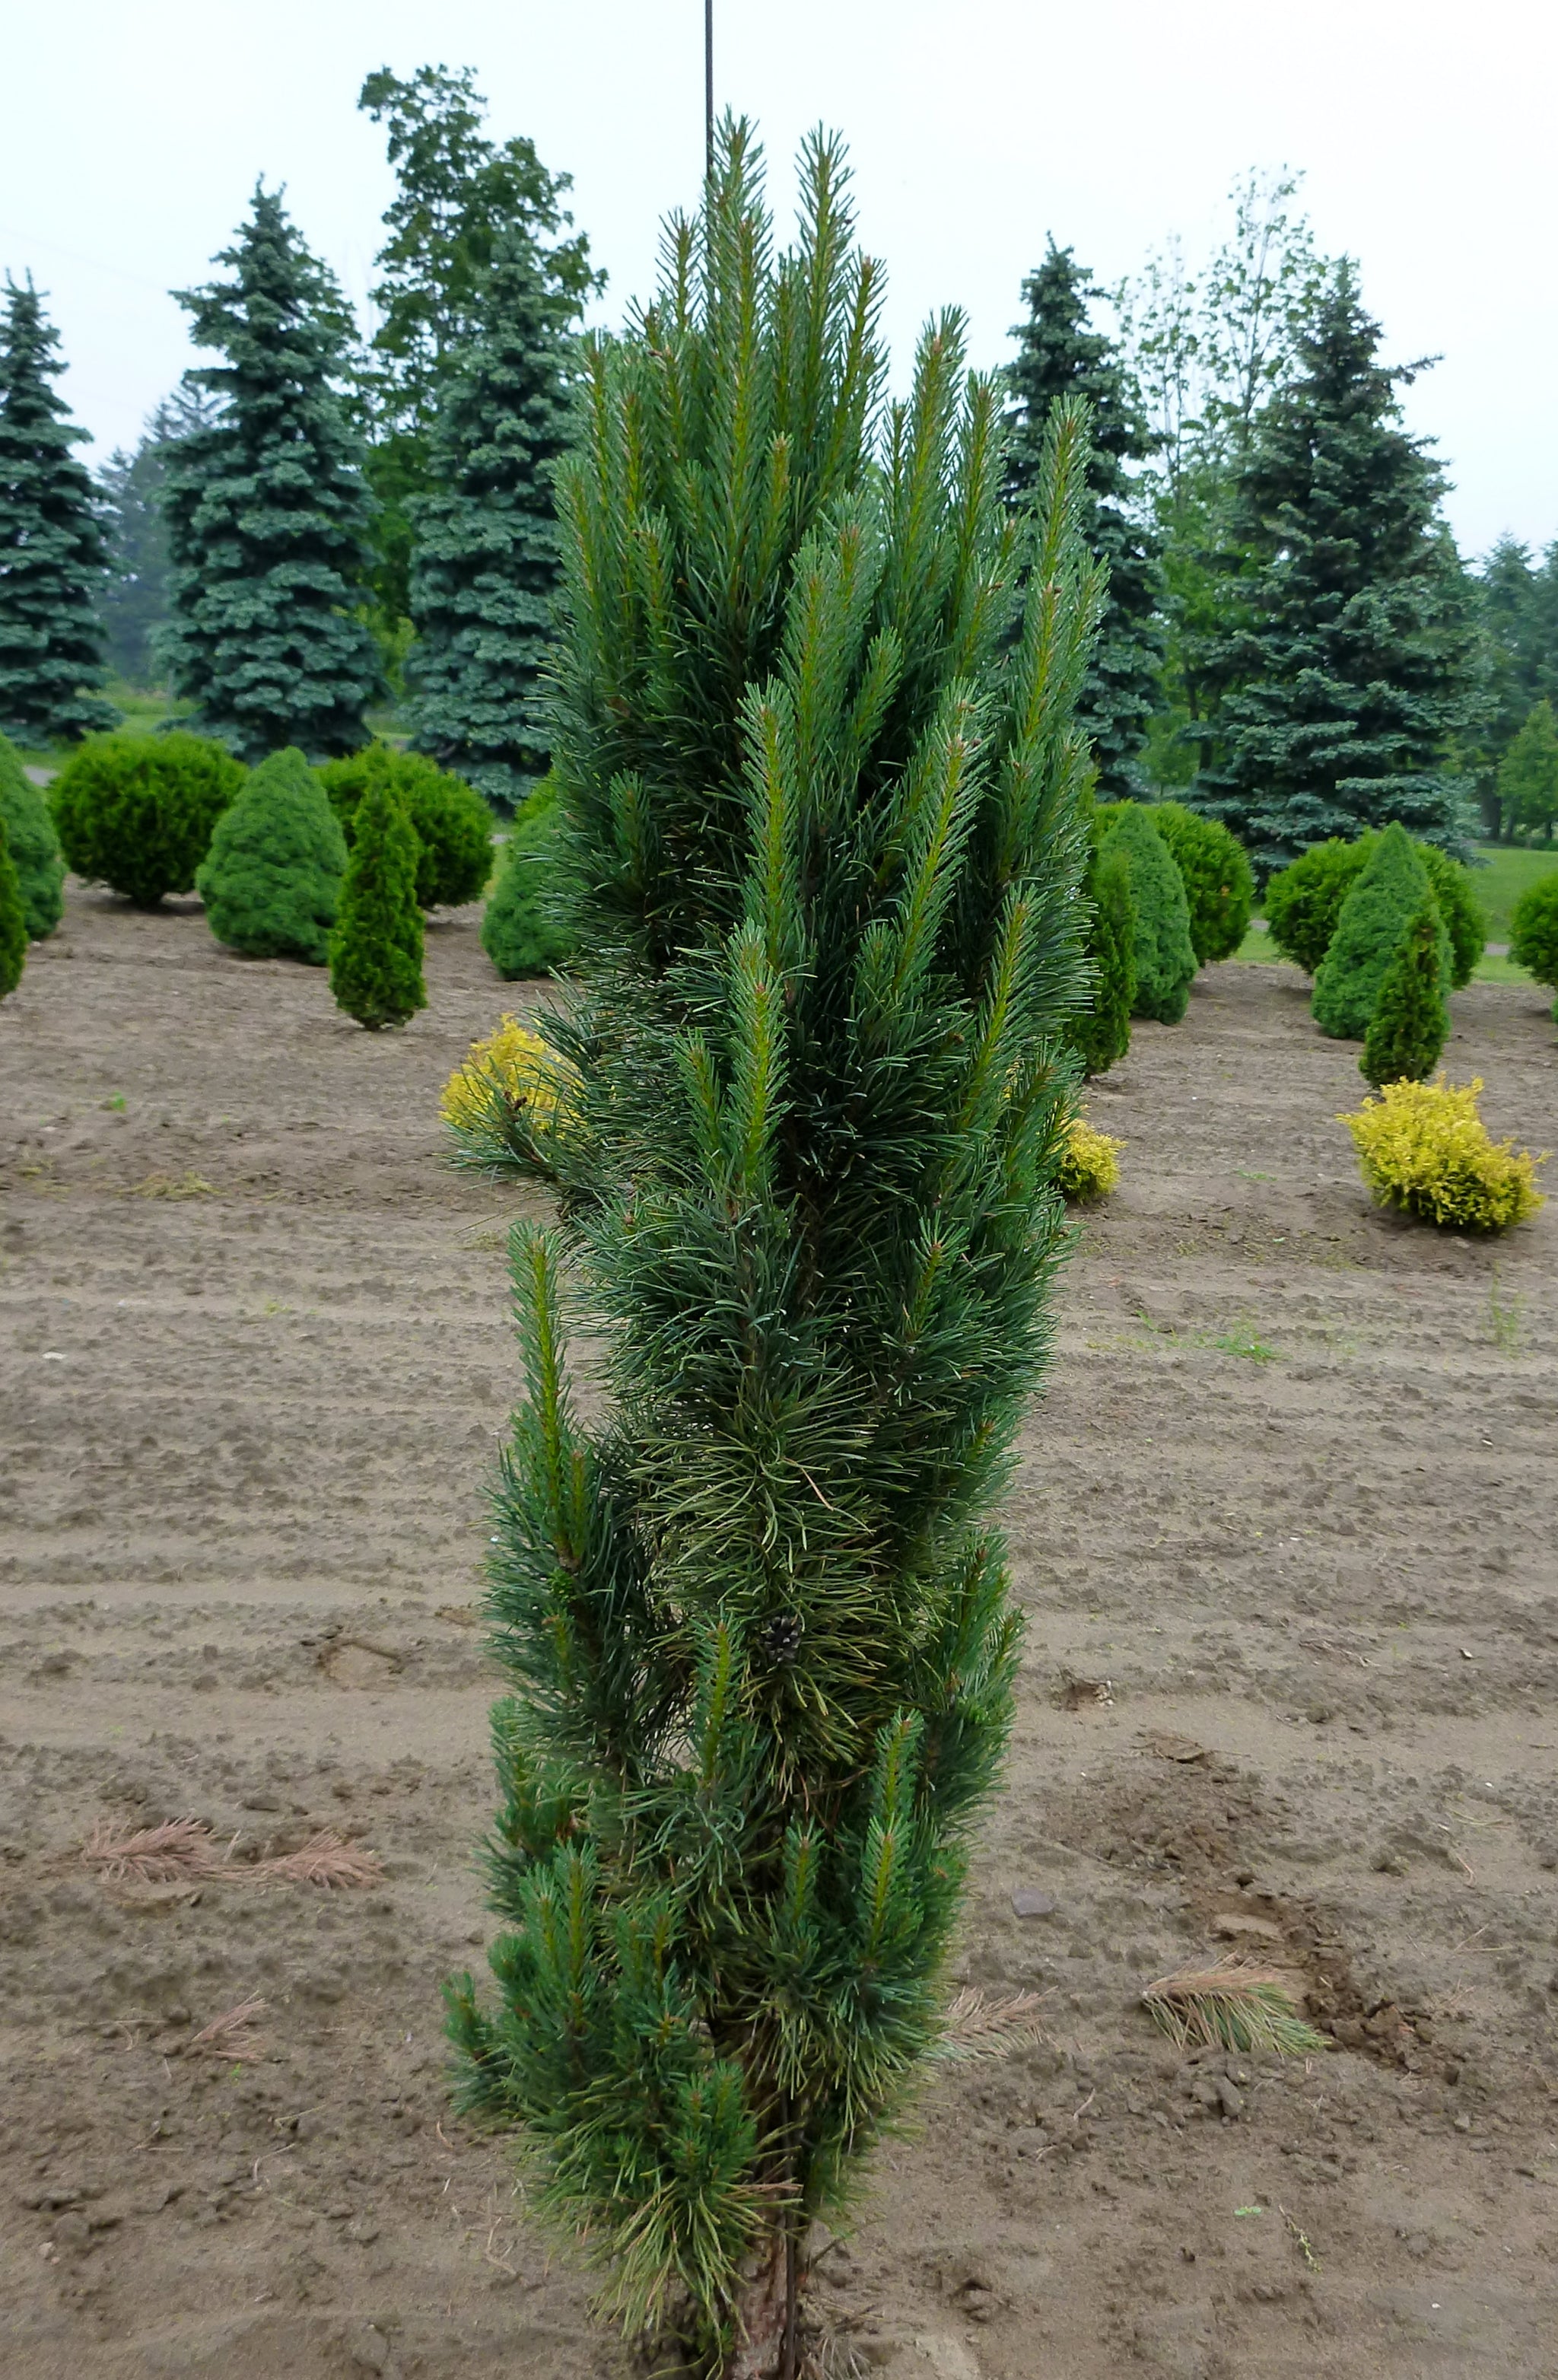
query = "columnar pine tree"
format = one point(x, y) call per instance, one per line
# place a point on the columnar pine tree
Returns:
point(52, 554)
point(1343, 673)
point(267, 511)
point(484, 566)
point(1059, 356)
point(822, 805)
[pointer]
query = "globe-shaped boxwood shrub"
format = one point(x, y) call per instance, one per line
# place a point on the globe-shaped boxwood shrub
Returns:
point(1533, 931)
point(1219, 881)
point(1391, 888)
point(34, 846)
point(452, 823)
point(1304, 902)
point(136, 812)
point(520, 931)
point(272, 879)
point(1165, 959)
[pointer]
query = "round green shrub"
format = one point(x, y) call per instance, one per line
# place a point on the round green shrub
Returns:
point(1304, 902)
point(376, 947)
point(1391, 887)
point(272, 879)
point(1411, 1019)
point(1165, 959)
point(1533, 931)
point(1219, 881)
point(13, 924)
point(520, 931)
point(34, 846)
point(453, 824)
point(136, 812)
point(1102, 1033)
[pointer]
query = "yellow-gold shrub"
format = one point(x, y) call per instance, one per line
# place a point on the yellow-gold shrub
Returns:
point(1090, 1167)
point(1422, 1148)
point(511, 1092)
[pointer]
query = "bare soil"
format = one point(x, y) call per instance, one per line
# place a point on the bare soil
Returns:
point(1285, 1532)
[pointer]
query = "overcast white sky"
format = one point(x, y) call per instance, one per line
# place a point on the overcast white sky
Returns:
point(134, 134)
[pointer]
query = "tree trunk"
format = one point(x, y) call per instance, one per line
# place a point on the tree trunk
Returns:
point(766, 2349)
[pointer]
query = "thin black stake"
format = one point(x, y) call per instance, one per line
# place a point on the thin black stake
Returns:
point(708, 88)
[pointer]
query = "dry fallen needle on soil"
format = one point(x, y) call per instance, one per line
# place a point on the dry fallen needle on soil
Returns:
point(1290, 1495)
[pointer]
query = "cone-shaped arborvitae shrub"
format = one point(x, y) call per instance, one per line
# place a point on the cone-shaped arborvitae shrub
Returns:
point(376, 947)
point(1165, 959)
point(272, 880)
point(1304, 902)
point(13, 923)
point(1411, 1019)
point(34, 846)
point(1218, 879)
point(1387, 892)
point(1101, 1033)
point(822, 812)
point(522, 931)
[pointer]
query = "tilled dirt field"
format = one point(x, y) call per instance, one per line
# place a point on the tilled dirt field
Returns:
point(1285, 1532)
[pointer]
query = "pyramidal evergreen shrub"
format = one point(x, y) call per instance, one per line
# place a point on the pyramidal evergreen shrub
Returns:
point(1411, 1020)
point(138, 812)
point(1304, 902)
point(34, 846)
point(820, 789)
point(1389, 890)
point(13, 923)
point(1101, 1033)
point(272, 880)
point(522, 930)
point(1218, 879)
point(376, 946)
point(451, 821)
point(1533, 931)
point(1165, 959)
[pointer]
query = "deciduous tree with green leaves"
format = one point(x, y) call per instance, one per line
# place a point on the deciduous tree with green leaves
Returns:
point(52, 559)
point(821, 805)
point(1529, 776)
point(267, 511)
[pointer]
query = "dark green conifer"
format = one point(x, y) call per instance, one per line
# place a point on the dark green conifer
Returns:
point(521, 929)
point(376, 948)
point(1219, 882)
point(1385, 896)
point(1411, 1019)
point(1165, 958)
point(1341, 667)
point(52, 559)
point(272, 879)
point(13, 924)
point(452, 823)
point(267, 510)
point(138, 812)
point(34, 846)
point(1101, 1033)
point(1533, 931)
point(485, 564)
point(1059, 355)
point(135, 595)
point(820, 807)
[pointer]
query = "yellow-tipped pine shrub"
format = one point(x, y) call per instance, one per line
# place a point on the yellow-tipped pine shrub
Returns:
point(1423, 1147)
point(513, 1087)
point(1091, 1166)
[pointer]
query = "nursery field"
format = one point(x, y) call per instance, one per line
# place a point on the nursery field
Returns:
point(1284, 1527)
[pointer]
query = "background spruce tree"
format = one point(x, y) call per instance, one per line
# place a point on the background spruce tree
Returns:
point(1519, 611)
point(484, 566)
point(821, 807)
point(134, 599)
point(267, 510)
point(1059, 355)
point(1411, 1019)
point(376, 948)
point(1343, 671)
point(12, 921)
point(52, 554)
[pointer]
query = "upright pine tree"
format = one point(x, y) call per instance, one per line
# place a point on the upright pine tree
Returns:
point(1345, 673)
point(821, 802)
point(52, 554)
point(1059, 356)
point(484, 564)
point(267, 511)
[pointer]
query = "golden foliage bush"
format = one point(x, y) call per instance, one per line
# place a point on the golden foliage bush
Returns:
point(1091, 1166)
point(511, 1091)
point(1422, 1148)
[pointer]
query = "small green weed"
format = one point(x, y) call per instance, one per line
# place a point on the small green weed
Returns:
point(1242, 1341)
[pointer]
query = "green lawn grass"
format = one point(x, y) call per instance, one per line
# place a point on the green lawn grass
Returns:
point(144, 711)
point(1509, 870)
